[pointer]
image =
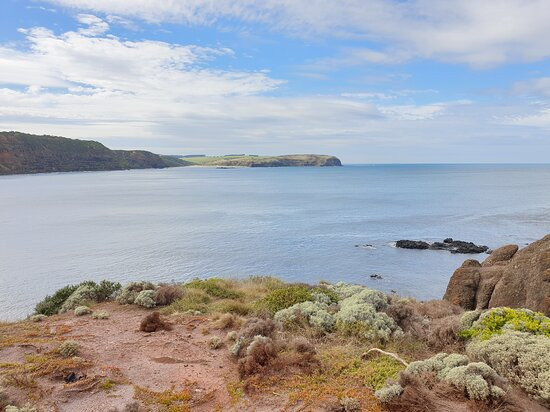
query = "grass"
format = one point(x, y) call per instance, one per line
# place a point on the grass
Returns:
point(169, 400)
point(214, 287)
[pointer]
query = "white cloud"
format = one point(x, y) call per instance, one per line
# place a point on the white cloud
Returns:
point(90, 84)
point(478, 33)
point(96, 26)
point(537, 87)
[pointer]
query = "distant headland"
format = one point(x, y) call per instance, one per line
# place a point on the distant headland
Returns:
point(22, 153)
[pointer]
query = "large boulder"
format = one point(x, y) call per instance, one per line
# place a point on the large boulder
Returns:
point(508, 277)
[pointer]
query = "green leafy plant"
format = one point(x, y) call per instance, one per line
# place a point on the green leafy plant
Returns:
point(498, 320)
point(51, 304)
point(283, 298)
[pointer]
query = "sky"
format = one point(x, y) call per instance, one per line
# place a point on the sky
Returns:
point(370, 81)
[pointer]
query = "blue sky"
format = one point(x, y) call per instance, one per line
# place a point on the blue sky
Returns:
point(371, 81)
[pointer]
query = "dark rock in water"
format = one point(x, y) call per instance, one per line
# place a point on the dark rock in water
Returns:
point(508, 277)
point(453, 246)
point(412, 244)
point(376, 276)
point(458, 246)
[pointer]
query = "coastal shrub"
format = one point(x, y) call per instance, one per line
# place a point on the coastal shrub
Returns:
point(362, 320)
point(89, 292)
point(51, 305)
point(195, 300)
point(69, 348)
point(215, 342)
point(499, 320)
point(101, 314)
point(146, 298)
point(350, 404)
point(520, 357)
point(474, 380)
point(314, 313)
point(388, 393)
point(285, 297)
point(37, 318)
point(468, 318)
point(84, 294)
point(82, 310)
point(153, 322)
point(166, 294)
point(215, 287)
point(259, 353)
point(477, 379)
point(344, 290)
point(374, 298)
point(130, 291)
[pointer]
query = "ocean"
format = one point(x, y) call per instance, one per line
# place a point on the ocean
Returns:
point(300, 224)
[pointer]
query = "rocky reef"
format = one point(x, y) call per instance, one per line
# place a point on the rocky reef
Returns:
point(508, 277)
point(453, 246)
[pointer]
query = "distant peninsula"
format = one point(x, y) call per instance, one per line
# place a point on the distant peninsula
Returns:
point(27, 153)
point(263, 161)
point(22, 153)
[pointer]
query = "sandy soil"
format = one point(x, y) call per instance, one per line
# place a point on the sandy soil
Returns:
point(176, 360)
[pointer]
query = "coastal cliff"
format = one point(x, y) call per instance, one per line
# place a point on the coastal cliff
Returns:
point(27, 153)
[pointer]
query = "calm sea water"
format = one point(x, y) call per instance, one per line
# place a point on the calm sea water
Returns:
point(301, 224)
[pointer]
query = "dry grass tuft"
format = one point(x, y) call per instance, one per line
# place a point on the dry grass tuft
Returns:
point(153, 322)
point(168, 293)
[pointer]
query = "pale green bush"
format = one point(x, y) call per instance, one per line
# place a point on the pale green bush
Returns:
point(378, 300)
point(37, 318)
point(82, 310)
point(468, 318)
point(344, 290)
point(130, 291)
point(231, 336)
point(69, 348)
point(520, 357)
point(82, 295)
point(350, 404)
point(388, 393)
point(475, 378)
point(146, 298)
point(320, 297)
point(314, 312)
point(369, 323)
point(101, 314)
point(237, 346)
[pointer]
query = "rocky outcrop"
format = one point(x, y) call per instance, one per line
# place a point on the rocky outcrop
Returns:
point(508, 277)
point(453, 246)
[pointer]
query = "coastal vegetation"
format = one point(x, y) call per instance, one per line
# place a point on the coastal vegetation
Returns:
point(334, 346)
